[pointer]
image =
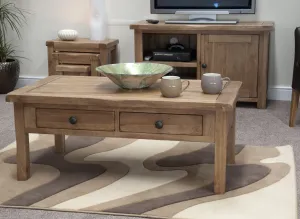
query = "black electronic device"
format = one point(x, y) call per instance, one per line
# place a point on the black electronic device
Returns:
point(152, 21)
point(184, 55)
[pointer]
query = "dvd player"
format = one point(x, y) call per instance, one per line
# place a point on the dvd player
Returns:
point(184, 55)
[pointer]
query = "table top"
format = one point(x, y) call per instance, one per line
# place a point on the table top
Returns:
point(85, 41)
point(241, 26)
point(100, 91)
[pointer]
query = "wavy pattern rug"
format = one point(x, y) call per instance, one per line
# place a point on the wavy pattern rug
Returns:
point(165, 179)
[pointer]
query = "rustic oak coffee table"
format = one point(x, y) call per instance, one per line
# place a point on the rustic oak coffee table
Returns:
point(94, 106)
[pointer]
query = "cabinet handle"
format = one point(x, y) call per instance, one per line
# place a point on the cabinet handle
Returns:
point(159, 124)
point(204, 65)
point(73, 120)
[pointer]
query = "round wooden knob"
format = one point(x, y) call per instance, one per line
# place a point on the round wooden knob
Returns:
point(204, 65)
point(73, 120)
point(159, 124)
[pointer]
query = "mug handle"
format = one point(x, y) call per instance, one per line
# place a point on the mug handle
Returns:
point(228, 82)
point(186, 87)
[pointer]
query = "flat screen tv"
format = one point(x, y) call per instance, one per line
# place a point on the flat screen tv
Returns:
point(203, 7)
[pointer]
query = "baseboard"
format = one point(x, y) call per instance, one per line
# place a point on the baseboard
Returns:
point(274, 93)
point(24, 81)
point(280, 93)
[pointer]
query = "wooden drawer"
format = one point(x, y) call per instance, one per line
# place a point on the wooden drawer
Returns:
point(171, 124)
point(75, 119)
point(77, 70)
point(76, 58)
point(73, 68)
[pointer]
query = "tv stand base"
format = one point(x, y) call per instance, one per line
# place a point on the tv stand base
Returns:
point(200, 21)
point(201, 17)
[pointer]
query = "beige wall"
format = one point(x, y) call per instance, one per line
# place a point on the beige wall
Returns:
point(49, 16)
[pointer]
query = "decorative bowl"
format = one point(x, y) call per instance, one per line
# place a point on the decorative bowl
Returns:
point(134, 75)
point(68, 35)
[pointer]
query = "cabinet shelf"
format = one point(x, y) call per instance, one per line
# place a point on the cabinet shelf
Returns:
point(192, 64)
point(240, 52)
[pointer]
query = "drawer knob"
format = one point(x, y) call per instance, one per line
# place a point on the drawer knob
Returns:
point(73, 120)
point(159, 124)
point(204, 65)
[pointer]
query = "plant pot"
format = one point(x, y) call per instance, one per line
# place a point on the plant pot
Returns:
point(9, 75)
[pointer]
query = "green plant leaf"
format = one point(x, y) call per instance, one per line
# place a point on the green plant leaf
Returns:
point(11, 18)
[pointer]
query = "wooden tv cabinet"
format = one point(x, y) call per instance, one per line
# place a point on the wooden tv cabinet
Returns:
point(239, 51)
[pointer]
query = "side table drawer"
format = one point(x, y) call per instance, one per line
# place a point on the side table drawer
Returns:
point(75, 119)
point(153, 123)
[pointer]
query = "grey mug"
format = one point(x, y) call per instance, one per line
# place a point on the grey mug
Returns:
point(212, 83)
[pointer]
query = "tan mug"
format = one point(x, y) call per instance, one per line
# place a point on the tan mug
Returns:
point(171, 86)
point(212, 83)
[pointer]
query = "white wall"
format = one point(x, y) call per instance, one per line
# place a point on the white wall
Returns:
point(49, 16)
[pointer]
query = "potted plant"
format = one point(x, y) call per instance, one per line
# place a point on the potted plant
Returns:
point(12, 19)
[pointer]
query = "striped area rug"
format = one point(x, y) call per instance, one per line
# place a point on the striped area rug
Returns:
point(164, 179)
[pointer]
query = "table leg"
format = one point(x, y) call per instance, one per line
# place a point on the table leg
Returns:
point(104, 59)
point(231, 140)
point(114, 56)
point(220, 151)
point(22, 140)
point(60, 144)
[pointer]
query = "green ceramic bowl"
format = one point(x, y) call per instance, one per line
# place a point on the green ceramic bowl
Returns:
point(134, 75)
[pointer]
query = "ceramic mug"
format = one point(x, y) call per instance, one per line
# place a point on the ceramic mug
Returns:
point(212, 83)
point(171, 86)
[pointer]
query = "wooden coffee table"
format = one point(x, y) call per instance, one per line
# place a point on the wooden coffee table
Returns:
point(94, 106)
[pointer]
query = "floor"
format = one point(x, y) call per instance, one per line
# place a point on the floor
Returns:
point(254, 127)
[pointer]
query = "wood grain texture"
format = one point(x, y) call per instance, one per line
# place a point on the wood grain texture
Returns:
point(101, 91)
point(263, 70)
point(51, 70)
point(229, 39)
point(209, 120)
point(74, 54)
point(250, 100)
point(76, 58)
point(199, 49)
point(207, 139)
point(138, 45)
point(22, 140)
point(95, 62)
point(108, 108)
point(240, 27)
point(231, 138)
point(114, 56)
point(83, 44)
point(73, 68)
point(235, 51)
point(172, 124)
point(104, 56)
point(236, 59)
point(30, 117)
point(70, 105)
point(28, 88)
point(60, 144)
point(86, 120)
point(294, 107)
point(221, 135)
point(202, 60)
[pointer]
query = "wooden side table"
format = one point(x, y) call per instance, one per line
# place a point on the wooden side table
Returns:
point(80, 57)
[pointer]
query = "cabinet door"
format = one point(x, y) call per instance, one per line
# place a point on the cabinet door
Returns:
point(233, 56)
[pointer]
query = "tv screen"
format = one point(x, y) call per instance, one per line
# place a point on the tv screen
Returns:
point(203, 4)
point(232, 6)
